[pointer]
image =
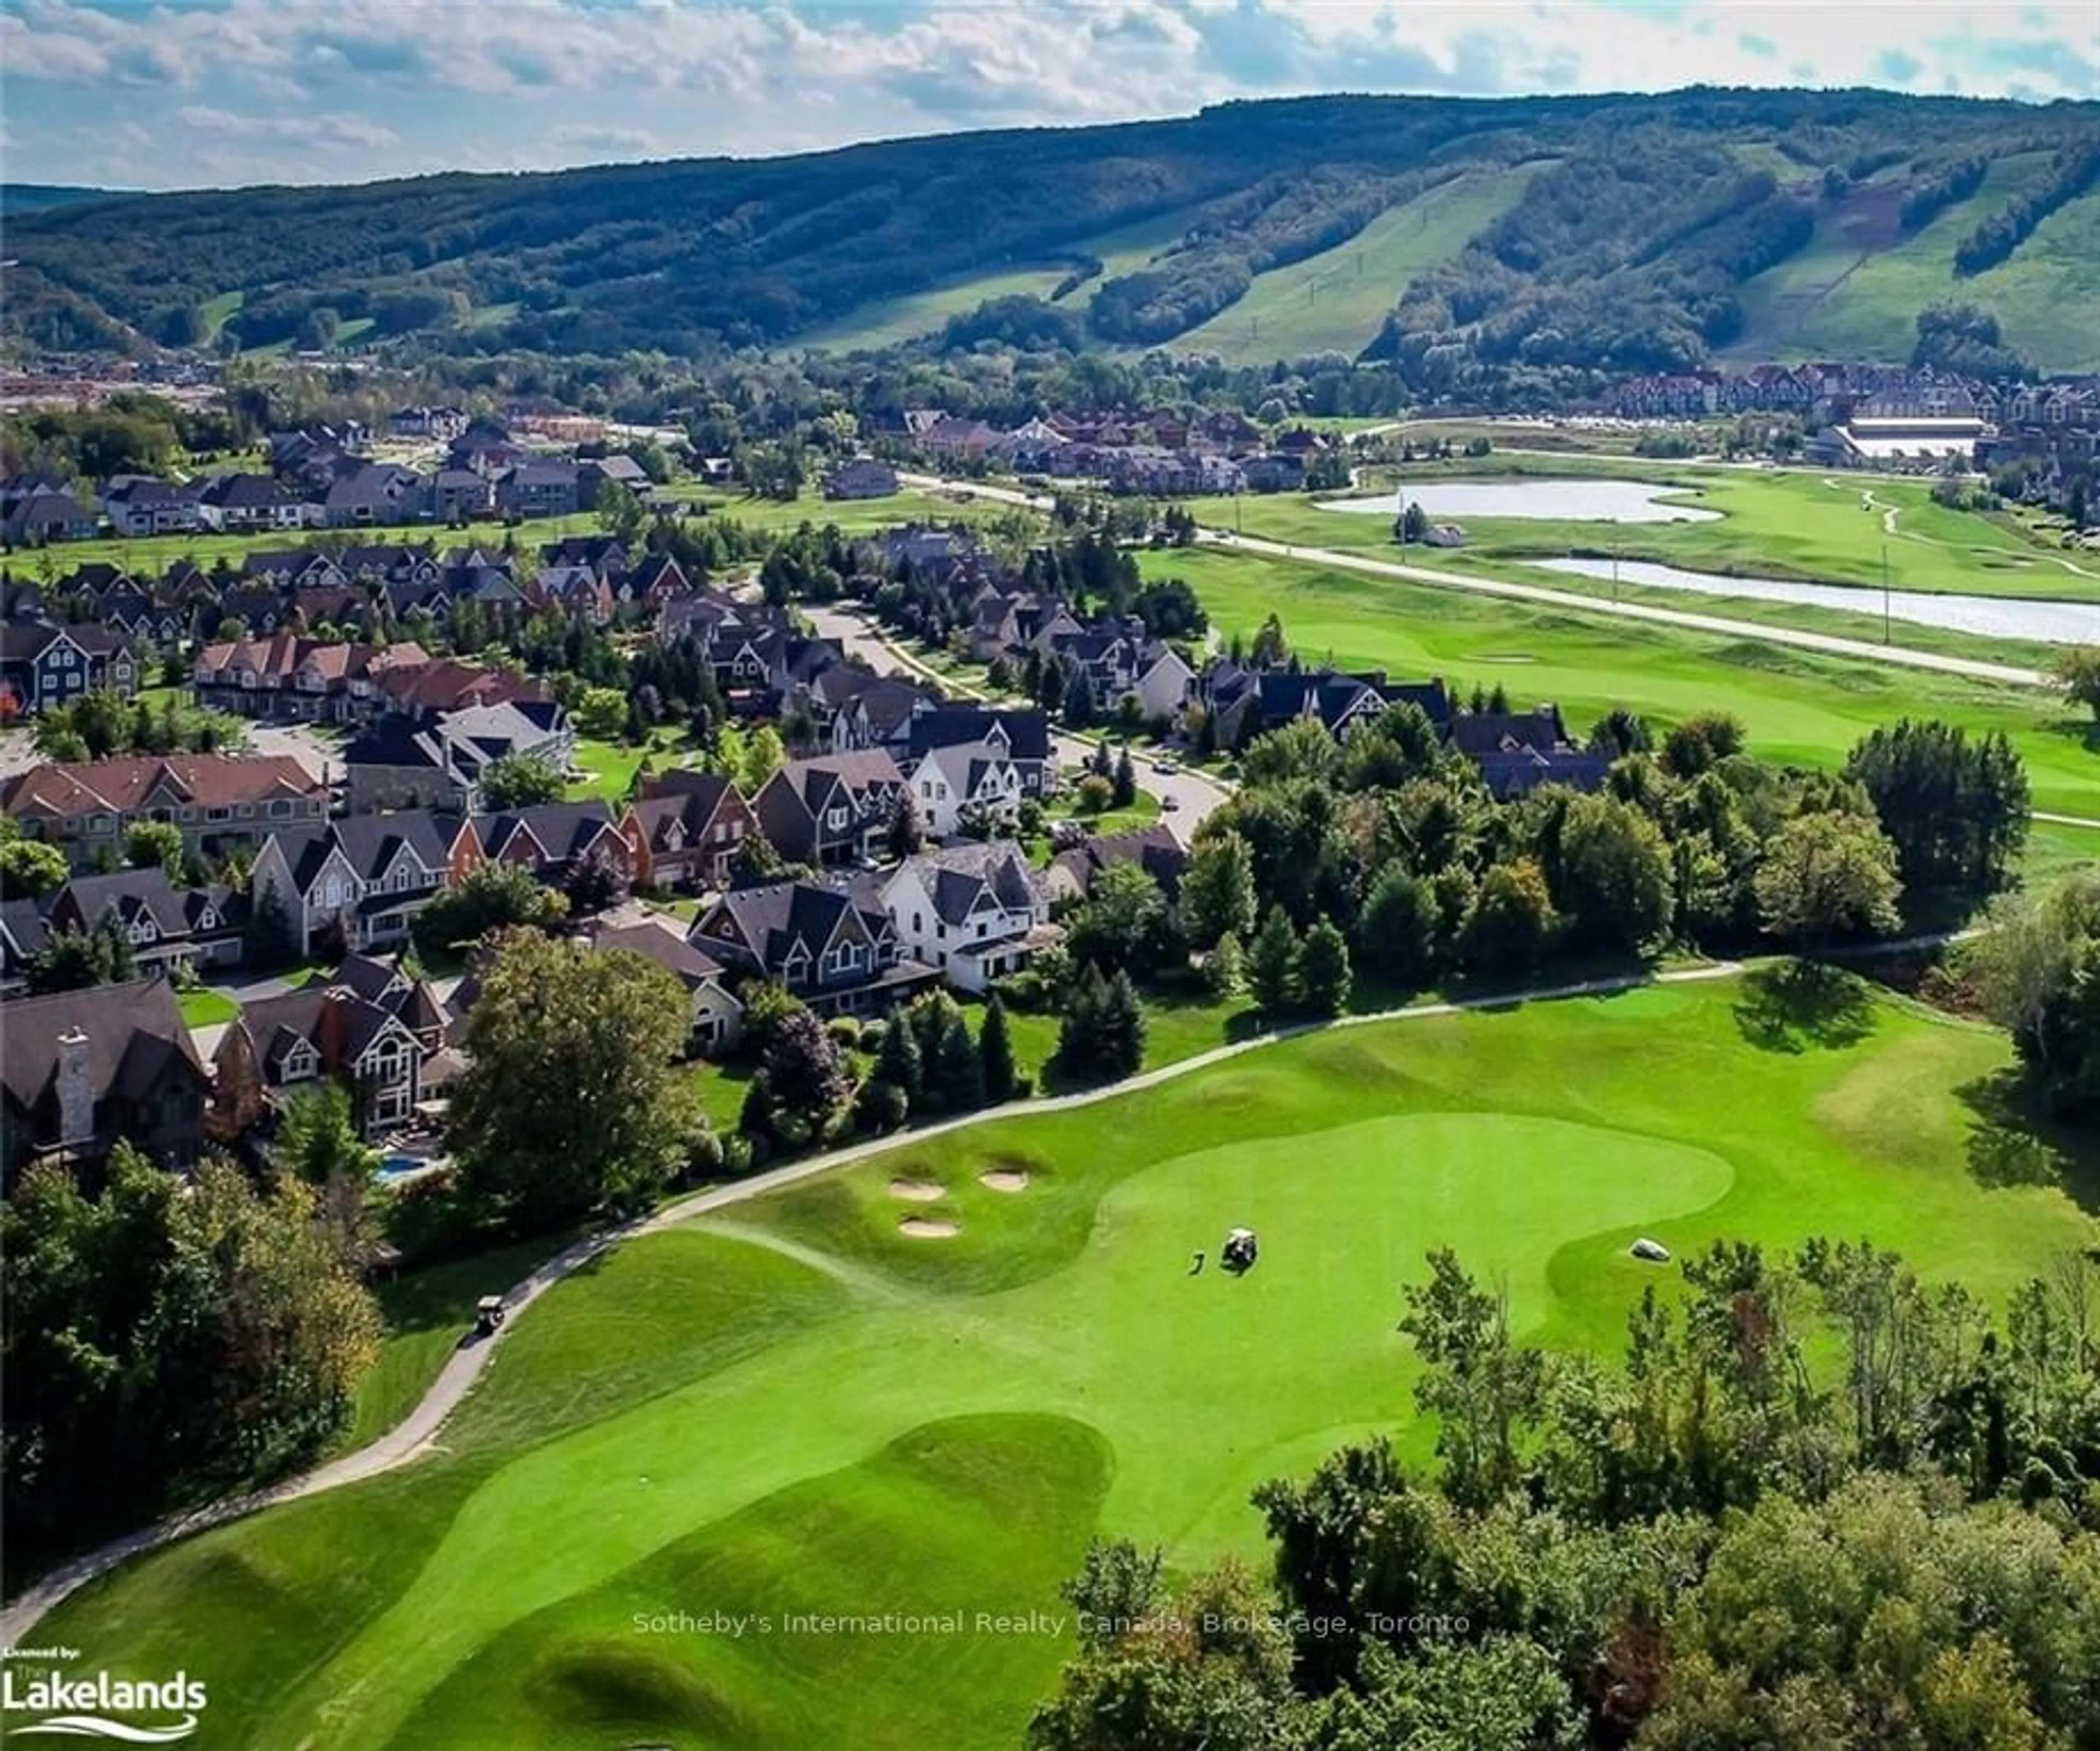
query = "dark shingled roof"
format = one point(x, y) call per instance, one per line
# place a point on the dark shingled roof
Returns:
point(133, 1029)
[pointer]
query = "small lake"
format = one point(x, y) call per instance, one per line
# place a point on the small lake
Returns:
point(1541, 500)
point(2056, 623)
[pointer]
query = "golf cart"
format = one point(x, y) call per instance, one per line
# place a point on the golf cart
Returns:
point(488, 1315)
point(1240, 1251)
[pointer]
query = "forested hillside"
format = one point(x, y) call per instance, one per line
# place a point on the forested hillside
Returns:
point(1599, 232)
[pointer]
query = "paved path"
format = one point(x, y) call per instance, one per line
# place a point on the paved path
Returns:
point(417, 1433)
point(1690, 619)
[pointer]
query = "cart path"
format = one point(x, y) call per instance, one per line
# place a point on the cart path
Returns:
point(415, 1435)
point(1829, 644)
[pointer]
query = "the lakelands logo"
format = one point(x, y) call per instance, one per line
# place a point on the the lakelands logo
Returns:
point(66, 1705)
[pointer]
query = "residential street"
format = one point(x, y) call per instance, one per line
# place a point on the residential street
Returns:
point(1195, 794)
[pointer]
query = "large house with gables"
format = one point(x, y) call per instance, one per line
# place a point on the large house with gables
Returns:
point(359, 879)
point(835, 950)
point(42, 666)
point(686, 830)
point(977, 912)
point(220, 801)
point(834, 808)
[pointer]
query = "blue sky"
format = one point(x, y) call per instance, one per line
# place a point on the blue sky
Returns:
point(180, 93)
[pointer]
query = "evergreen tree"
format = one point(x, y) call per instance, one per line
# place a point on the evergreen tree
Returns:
point(1078, 705)
point(1273, 963)
point(1125, 781)
point(898, 1061)
point(996, 1053)
point(960, 1069)
point(1102, 1034)
point(1323, 970)
point(1218, 896)
point(1397, 932)
point(1225, 970)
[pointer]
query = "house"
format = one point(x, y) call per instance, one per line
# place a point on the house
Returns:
point(1518, 751)
point(977, 912)
point(549, 840)
point(33, 519)
point(965, 780)
point(357, 880)
point(286, 679)
point(444, 424)
point(142, 505)
point(830, 809)
point(436, 759)
point(1163, 682)
point(834, 949)
point(167, 926)
point(377, 494)
point(1020, 737)
point(237, 502)
point(539, 489)
point(42, 665)
point(718, 1016)
point(369, 1025)
point(462, 495)
point(618, 470)
point(686, 830)
point(861, 477)
point(79, 1069)
point(850, 708)
point(958, 440)
point(1155, 849)
point(220, 801)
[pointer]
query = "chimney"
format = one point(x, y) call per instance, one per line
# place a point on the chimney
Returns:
point(329, 1028)
point(76, 1090)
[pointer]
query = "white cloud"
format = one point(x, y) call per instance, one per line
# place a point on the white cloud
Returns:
point(311, 85)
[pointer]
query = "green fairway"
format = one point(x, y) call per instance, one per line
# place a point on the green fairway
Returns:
point(1337, 301)
point(1798, 706)
point(795, 1407)
point(1790, 523)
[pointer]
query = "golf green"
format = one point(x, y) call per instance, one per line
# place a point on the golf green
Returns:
point(685, 1460)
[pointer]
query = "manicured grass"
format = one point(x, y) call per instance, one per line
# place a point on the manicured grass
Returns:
point(611, 765)
point(1784, 524)
point(793, 1406)
point(1337, 301)
point(722, 1088)
point(206, 1007)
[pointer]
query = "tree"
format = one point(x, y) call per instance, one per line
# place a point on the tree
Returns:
point(620, 512)
point(1621, 731)
point(29, 869)
point(1956, 809)
point(1702, 740)
point(149, 845)
point(763, 755)
point(574, 1094)
point(1273, 963)
point(1827, 875)
point(1512, 920)
point(907, 827)
point(1272, 650)
point(806, 1077)
point(1124, 921)
point(1414, 523)
point(166, 1339)
point(73, 959)
point(959, 1070)
point(317, 1138)
point(1225, 969)
point(601, 713)
point(1102, 1033)
point(1323, 970)
point(1612, 874)
point(1079, 706)
point(491, 896)
point(269, 940)
point(898, 1062)
point(1218, 898)
point(2035, 968)
point(520, 781)
point(1124, 792)
point(1397, 932)
point(996, 1053)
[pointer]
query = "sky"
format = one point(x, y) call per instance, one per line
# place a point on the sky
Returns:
point(161, 93)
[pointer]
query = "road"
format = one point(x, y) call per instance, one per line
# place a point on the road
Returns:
point(417, 1433)
point(1544, 596)
point(1194, 794)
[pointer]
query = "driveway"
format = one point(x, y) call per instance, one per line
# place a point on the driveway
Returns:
point(320, 753)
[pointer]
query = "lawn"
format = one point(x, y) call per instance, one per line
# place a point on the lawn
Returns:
point(206, 1007)
point(1785, 523)
point(1799, 706)
point(612, 766)
point(793, 1407)
point(1337, 301)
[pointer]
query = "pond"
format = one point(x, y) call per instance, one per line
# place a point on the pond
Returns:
point(1543, 501)
point(2056, 623)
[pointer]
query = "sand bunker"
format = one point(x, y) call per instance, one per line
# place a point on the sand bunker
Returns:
point(929, 1228)
point(917, 1191)
point(1005, 1179)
